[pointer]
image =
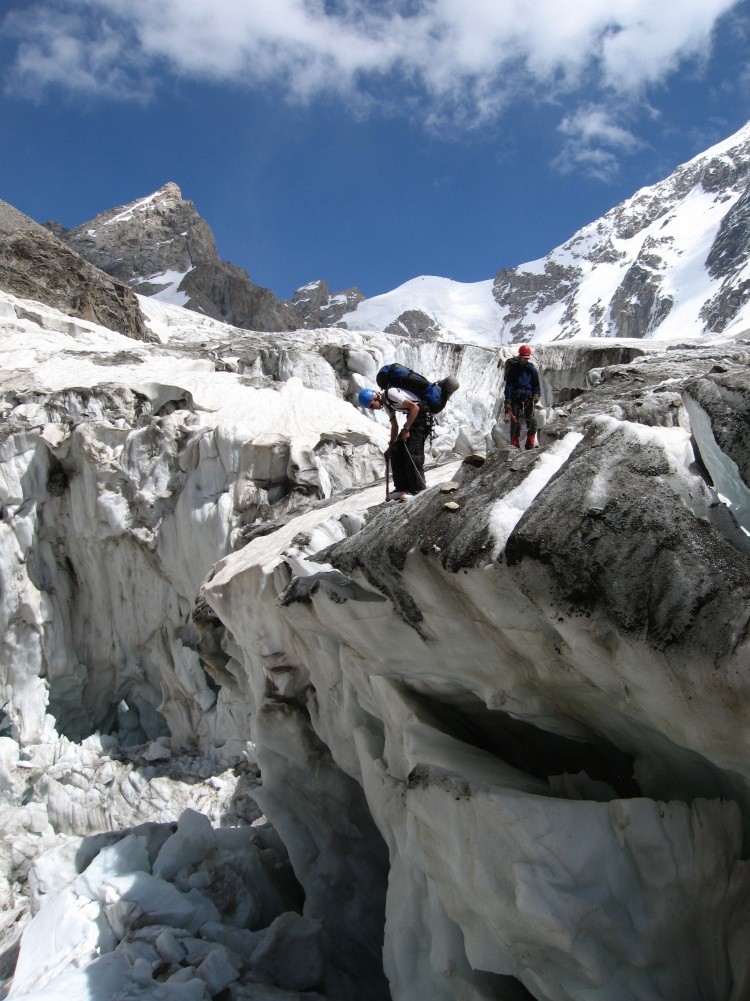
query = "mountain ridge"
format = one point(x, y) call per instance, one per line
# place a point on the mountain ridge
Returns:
point(670, 261)
point(160, 246)
point(626, 274)
point(35, 264)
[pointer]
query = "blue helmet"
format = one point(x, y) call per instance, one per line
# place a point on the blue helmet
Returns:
point(365, 398)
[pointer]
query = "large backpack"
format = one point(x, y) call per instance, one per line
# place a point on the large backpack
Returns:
point(511, 366)
point(400, 377)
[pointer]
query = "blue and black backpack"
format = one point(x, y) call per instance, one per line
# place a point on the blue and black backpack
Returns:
point(400, 377)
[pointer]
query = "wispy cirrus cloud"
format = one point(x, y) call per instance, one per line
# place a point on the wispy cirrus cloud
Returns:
point(457, 61)
point(593, 143)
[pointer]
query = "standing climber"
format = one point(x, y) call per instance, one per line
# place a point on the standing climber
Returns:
point(406, 449)
point(522, 392)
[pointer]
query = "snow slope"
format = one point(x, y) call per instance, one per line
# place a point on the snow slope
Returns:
point(465, 311)
point(668, 263)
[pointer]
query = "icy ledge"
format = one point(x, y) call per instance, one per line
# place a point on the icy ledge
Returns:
point(541, 712)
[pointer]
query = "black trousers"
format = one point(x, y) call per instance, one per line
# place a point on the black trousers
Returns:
point(522, 408)
point(407, 458)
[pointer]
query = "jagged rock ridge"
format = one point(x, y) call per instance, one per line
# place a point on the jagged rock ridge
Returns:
point(159, 245)
point(318, 307)
point(640, 270)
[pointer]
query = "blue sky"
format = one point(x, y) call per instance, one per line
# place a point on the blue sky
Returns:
point(365, 142)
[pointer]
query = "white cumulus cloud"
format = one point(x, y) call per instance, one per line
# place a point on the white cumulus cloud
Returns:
point(457, 60)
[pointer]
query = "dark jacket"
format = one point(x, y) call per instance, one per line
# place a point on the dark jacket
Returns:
point(521, 381)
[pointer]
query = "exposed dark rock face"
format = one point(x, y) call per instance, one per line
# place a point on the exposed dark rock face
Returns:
point(223, 291)
point(719, 312)
point(630, 253)
point(317, 306)
point(415, 323)
point(152, 241)
point(732, 245)
point(637, 308)
point(732, 242)
point(524, 292)
point(34, 264)
point(149, 236)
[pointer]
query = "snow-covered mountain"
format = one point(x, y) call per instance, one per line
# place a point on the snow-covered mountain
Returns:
point(670, 262)
point(433, 308)
point(160, 246)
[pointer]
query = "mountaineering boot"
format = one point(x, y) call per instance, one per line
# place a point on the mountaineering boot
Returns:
point(515, 443)
point(530, 441)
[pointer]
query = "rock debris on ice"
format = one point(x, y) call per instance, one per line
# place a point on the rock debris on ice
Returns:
point(503, 741)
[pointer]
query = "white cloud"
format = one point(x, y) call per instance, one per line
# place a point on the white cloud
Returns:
point(64, 52)
point(594, 142)
point(461, 60)
point(591, 126)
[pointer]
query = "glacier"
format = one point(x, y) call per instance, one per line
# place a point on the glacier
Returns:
point(265, 735)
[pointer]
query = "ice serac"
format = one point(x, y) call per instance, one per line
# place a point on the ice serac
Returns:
point(718, 405)
point(107, 472)
point(542, 693)
point(159, 245)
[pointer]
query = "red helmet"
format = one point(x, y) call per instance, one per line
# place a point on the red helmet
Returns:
point(524, 351)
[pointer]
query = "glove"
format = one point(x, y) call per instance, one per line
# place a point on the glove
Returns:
point(535, 400)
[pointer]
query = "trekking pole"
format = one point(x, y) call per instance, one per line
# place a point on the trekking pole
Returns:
point(411, 459)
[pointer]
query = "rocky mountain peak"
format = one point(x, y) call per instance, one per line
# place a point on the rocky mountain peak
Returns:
point(169, 190)
point(317, 306)
point(146, 239)
point(161, 246)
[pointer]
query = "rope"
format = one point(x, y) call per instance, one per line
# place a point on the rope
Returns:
point(411, 459)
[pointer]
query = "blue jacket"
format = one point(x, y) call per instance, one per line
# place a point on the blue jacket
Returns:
point(522, 381)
